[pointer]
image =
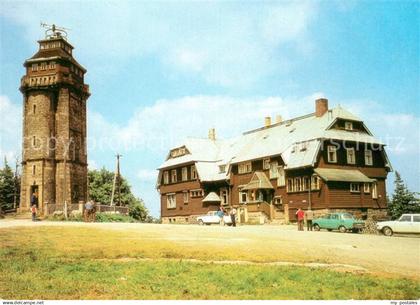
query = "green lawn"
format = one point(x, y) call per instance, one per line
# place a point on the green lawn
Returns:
point(46, 263)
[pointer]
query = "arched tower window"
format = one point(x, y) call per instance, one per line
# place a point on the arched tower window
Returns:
point(34, 109)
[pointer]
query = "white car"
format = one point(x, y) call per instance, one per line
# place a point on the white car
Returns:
point(407, 223)
point(211, 217)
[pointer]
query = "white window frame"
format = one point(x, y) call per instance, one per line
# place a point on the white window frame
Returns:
point(332, 149)
point(224, 192)
point(196, 193)
point(348, 125)
point(171, 201)
point(290, 185)
point(165, 177)
point(355, 187)
point(368, 157)
point(281, 179)
point(184, 175)
point(34, 67)
point(298, 184)
point(351, 152)
point(241, 194)
point(375, 190)
point(185, 196)
point(315, 183)
point(366, 188)
point(274, 170)
point(266, 163)
point(306, 183)
point(244, 168)
point(174, 177)
point(193, 173)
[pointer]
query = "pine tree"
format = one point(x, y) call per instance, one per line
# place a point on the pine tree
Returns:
point(7, 186)
point(403, 201)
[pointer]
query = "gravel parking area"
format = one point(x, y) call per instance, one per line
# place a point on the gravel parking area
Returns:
point(398, 255)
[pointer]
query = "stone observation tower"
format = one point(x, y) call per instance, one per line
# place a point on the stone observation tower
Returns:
point(54, 155)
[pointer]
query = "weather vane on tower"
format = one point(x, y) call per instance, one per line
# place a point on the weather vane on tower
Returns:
point(53, 31)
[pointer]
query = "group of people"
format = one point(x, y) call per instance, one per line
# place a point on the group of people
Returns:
point(308, 215)
point(232, 213)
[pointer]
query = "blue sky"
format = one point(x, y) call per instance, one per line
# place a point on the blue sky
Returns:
point(162, 71)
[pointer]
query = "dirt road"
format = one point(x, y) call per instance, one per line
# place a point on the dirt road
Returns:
point(375, 253)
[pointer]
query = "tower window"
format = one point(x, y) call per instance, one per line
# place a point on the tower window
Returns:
point(34, 108)
point(33, 169)
point(34, 141)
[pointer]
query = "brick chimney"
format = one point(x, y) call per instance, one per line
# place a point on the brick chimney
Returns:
point(321, 107)
point(212, 134)
point(267, 121)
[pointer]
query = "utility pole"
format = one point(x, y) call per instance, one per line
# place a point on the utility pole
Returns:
point(116, 176)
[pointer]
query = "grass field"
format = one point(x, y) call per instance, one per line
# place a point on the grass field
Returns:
point(90, 263)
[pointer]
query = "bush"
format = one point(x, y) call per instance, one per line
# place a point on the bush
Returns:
point(108, 217)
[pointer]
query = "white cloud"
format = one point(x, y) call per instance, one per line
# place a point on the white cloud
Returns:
point(223, 43)
point(10, 128)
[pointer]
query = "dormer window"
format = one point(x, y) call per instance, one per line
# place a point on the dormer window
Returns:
point(34, 67)
point(173, 176)
point(184, 174)
point(165, 177)
point(348, 125)
point(222, 168)
point(43, 66)
point(244, 168)
point(332, 154)
point(351, 156)
point(266, 163)
point(368, 157)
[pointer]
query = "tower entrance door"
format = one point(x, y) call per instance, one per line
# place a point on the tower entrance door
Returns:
point(34, 195)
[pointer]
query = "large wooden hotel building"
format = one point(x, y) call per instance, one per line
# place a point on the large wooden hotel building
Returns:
point(325, 161)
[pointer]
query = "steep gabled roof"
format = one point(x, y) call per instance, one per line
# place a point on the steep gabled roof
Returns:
point(297, 141)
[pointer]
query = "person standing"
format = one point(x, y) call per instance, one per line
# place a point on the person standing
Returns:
point(309, 215)
point(33, 210)
point(221, 213)
point(88, 210)
point(300, 216)
point(34, 199)
point(233, 216)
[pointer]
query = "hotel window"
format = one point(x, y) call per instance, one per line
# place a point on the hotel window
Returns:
point(43, 66)
point(224, 196)
point(351, 157)
point(281, 180)
point(197, 193)
point(274, 171)
point(306, 183)
point(243, 196)
point(298, 184)
point(348, 126)
point(173, 176)
point(315, 183)
point(290, 187)
point(375, 190)
point(266, 163)
point(185, 194)
point(244, 168)
point(184, 174)
point(34, 67)
point(52, 65)
point(193, 173)
point(165, 177)
point(366, 188)
point(171, 201)
point(368, 157)
point(355, 187)
point(332, 154)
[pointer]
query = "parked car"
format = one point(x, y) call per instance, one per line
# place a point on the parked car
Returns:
point(212, 218)
point(407, 223)
point(338, 221)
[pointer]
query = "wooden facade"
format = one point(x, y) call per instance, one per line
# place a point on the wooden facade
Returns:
point(301, 187)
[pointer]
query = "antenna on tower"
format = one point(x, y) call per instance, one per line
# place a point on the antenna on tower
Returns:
point(53, 31)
